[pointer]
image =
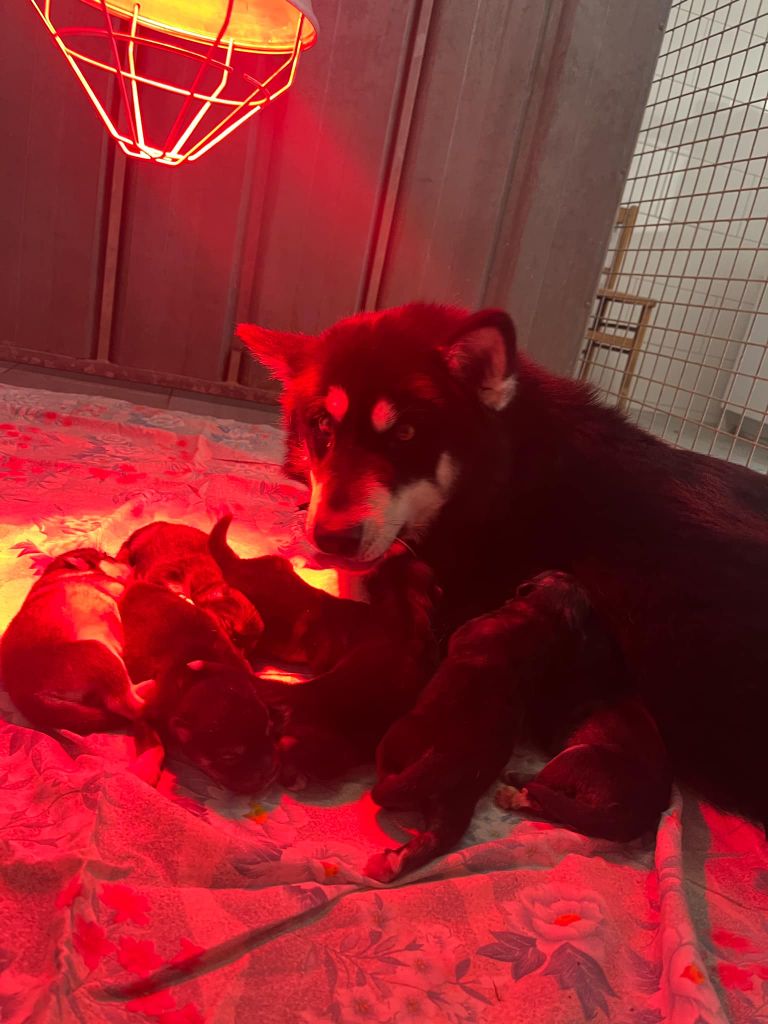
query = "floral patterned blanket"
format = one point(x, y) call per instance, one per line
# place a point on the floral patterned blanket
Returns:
point(182, 904)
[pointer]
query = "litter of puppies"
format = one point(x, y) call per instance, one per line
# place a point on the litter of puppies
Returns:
point(166, 640)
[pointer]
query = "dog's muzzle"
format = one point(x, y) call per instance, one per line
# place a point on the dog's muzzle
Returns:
point(344, 541)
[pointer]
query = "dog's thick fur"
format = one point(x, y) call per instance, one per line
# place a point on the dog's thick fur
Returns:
point(427, 422)
point(302, 624)
point(205, 701)
point(61, 656)
point(611, 780)
point(374, 659)
point(176, 556)
point(505, 674)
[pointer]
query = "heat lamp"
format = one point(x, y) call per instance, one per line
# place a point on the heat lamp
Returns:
point(171, 78)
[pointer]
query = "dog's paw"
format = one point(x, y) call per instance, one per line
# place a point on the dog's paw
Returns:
point(289, 776)
point(148, 765)
point(384, 867)
point(297, 783)
point(510, 798)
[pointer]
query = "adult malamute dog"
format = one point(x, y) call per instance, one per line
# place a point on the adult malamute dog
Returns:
point(426, 423)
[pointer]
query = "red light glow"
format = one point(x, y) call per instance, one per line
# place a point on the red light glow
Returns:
point(171, 79)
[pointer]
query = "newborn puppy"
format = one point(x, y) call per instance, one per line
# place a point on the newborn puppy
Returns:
point(302, 624)
point(333, 722)
point(611, 781)
point(177, 557)
point(61, 656)
point(205, 702)
point(441, 757)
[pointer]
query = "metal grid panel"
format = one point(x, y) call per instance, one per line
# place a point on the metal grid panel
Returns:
point(683, 349)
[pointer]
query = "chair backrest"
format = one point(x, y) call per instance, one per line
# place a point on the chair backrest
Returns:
point(618, 245)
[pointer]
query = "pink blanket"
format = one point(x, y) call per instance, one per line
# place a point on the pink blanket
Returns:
point(183, 904)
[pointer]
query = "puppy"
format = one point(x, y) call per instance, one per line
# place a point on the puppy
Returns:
point(177, 557)
point(612, 780)
point(333, 723)
point(61, 656)
point(206, 703)
point(302, 624)
point(486, 695)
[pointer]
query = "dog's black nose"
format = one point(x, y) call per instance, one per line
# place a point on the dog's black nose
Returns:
point(344, 542)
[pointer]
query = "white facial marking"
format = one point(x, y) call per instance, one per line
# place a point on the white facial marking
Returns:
point(498, 393)
point(409, 510)
point(337, 403)
point(314, 502)
point(383, 415)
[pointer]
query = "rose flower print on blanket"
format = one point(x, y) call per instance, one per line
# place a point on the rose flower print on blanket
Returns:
point(184, 904)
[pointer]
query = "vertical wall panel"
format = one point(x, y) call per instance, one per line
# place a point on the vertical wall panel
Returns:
point(52, 158)
point(178, 243)
point(328, 173)
point(566, 184)
point(481, 57)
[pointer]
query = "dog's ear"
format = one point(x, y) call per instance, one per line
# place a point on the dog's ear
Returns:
point(283, 353)
point(483, 355)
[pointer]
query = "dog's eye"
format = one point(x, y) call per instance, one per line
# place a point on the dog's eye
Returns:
point(324, 424)
point(322, 433)
point(405, 432)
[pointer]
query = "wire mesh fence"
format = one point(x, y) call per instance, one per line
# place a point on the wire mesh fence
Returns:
point(678, 335)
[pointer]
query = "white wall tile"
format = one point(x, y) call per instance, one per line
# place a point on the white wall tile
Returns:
point(699, 180)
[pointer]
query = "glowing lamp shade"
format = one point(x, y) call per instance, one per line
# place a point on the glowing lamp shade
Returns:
point(172, 78)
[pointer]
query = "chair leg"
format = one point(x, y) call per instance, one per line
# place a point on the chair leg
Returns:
point(626, 378)
point(634, 353)
point(586, 360)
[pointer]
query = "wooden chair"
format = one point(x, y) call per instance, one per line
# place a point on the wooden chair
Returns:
point(611, 327)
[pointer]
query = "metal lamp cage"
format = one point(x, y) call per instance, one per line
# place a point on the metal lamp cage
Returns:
point(171, 78)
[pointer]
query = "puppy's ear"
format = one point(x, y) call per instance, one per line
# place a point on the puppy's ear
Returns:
point(283, 353)
point(483, 355)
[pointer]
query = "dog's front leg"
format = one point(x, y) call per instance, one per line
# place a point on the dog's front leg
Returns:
point(444, 826)
point(536, 651)
point(439, 759)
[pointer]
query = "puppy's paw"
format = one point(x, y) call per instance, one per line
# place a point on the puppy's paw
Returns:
point(510, 798)
point(148, 766)
point(386, 866)
point(289, 776)
point(297, 783)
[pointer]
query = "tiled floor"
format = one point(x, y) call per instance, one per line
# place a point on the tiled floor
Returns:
point(21, 375)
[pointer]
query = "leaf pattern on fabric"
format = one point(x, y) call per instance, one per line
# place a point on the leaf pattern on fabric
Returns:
point(189, 953)
point(138, 956)
point(574, 969)
point(736, 977)
point(91, 942)
point(126, 903)
point(647, 973)
point(519, 951)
